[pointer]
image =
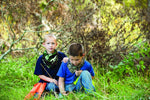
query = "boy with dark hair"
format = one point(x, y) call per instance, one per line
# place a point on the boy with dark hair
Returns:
point(76, 73)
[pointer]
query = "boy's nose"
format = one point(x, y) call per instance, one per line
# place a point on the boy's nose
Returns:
point(50, 45)
point(74, 63)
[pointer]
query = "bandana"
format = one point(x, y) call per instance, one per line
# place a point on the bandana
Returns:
point(73, 68)
point(50, 60)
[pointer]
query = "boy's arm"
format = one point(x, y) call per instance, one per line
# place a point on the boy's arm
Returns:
point(45, 78)
point(61, 86)
point(79, 72)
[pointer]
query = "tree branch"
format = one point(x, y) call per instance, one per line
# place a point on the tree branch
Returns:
point(10, 48)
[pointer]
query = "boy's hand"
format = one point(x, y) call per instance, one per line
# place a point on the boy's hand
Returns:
point(65, 59)
point(54, 81)
point(65, 93)
point(78, 72)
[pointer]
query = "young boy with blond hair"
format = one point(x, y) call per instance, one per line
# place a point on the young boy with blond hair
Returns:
point(48, 63)
point(76, 73)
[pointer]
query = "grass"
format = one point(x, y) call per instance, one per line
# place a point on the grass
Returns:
point(17, 79)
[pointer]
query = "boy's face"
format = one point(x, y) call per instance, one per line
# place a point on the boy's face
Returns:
point(50, 44)
point(75, 60)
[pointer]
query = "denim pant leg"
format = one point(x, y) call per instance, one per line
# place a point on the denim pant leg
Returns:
point(51, 87)
point(69, 87)
point(85, 81)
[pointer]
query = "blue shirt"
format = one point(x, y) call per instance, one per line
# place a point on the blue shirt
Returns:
point(71, 77)
point(39, 70)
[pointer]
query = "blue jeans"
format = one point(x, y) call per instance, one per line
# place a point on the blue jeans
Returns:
point(84, 82)
point(51, 87)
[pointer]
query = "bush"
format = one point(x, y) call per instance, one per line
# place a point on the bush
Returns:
point(135, 63)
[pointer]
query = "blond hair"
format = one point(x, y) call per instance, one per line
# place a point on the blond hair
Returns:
point(49, 35)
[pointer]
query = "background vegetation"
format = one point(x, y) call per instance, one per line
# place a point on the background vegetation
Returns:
point(115, 35)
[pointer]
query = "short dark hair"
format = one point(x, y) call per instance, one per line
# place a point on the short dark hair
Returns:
point(76, 49)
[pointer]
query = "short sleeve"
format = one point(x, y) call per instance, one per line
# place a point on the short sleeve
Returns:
point(91, 70)
point(38, 68)
point(61, 71)
point(87, 66)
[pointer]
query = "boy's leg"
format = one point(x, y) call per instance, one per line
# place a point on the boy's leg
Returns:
point(85, 81)
point(51, 87)
point(69, 87)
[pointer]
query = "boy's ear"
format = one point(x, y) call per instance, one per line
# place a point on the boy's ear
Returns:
point(56, 43)
point(83, 54)
point(43, 44)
